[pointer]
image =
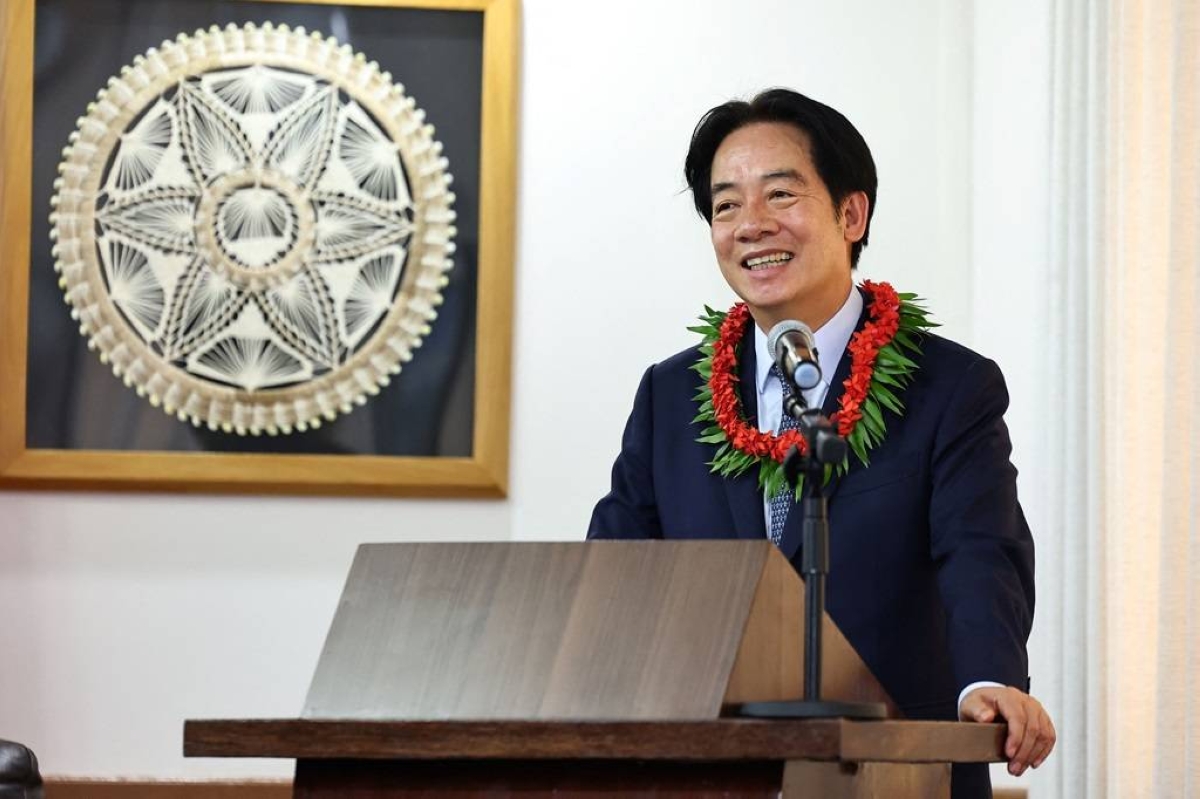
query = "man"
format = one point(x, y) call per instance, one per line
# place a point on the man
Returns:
point(932, 561)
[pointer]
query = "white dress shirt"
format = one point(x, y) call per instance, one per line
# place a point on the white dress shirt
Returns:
point(831, 340)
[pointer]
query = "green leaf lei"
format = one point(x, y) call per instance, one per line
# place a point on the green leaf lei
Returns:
point(881, 368)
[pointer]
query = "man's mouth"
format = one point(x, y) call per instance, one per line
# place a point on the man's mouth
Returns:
point(766, 261)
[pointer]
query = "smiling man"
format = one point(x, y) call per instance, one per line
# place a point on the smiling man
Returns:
point(931, 572)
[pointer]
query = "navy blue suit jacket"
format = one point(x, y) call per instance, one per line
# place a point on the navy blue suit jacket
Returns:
point(931, 576)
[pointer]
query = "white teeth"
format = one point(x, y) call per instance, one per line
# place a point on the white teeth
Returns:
point(765, 261)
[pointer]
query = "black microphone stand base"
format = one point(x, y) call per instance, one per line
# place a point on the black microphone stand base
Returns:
point(809, 709)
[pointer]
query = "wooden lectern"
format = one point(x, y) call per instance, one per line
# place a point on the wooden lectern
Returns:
point(603, 668)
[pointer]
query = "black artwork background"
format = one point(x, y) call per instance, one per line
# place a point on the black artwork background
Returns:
point(75, 402)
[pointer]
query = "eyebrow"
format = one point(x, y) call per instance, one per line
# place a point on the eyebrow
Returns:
point(774, 174)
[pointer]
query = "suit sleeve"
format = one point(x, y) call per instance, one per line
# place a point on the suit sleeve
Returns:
point(630, 510)
point(978, 534)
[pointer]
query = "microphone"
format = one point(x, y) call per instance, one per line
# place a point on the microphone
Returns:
point(795, 351)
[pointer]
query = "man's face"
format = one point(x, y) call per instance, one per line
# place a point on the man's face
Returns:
point(781, 244)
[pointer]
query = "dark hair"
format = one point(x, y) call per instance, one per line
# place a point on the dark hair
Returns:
point(839, 152)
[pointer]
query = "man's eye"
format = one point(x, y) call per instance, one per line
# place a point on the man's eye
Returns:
point(722, 206)
point(780, 193)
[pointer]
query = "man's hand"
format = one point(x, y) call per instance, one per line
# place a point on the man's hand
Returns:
point(1030, 731)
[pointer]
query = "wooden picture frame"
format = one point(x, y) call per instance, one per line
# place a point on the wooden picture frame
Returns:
point(482, 472)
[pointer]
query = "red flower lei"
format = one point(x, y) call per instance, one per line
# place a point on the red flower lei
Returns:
point(879, 370)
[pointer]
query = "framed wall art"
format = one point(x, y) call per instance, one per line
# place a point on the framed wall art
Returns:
point(257, 246)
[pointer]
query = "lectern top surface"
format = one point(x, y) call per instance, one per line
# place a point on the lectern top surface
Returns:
point(590, 630)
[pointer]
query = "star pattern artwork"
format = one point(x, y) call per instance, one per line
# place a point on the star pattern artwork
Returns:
point(253, 228)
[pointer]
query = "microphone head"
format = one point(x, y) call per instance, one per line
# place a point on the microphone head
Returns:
point(805, 374)
point(782, 329)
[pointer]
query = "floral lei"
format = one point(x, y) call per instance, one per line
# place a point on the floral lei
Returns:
point(879, 371)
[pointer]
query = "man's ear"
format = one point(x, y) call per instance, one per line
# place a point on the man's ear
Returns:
point(854, 215)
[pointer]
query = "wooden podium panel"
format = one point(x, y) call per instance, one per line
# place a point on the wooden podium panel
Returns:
point(585, 670)
point(602, 630)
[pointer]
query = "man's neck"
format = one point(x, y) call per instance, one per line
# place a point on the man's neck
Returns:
point(814, 314)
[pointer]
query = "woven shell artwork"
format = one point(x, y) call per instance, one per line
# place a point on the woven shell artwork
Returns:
point(253, 227)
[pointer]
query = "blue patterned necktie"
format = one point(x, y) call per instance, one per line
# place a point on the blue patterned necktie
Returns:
point(785, 497)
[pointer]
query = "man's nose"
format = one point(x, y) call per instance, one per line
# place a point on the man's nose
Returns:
point(756, 222)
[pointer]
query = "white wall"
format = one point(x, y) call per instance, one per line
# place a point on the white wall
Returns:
point(136, 612)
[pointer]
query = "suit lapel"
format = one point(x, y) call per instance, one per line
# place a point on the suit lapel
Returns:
point(745, 500)
point(793, 526)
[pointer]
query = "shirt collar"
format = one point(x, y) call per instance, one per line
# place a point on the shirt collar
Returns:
point(831, 341)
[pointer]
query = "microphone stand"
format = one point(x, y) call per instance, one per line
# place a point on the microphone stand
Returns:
point(825, 447)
